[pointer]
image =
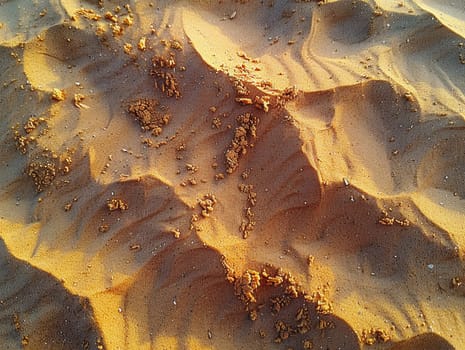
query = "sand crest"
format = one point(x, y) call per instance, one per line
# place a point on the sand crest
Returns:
point(232, 174)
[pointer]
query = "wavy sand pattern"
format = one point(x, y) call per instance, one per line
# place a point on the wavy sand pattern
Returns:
point(232, 174)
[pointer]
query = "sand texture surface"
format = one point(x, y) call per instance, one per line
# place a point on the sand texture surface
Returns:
point(232, 174)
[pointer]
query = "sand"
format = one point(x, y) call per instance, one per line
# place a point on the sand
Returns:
point(232, 174)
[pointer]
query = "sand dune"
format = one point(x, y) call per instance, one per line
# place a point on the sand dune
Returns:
point(232, 175)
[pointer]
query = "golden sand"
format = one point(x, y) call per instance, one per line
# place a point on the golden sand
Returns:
point(232, 174)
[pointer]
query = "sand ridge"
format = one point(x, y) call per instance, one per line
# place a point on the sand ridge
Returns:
point(233, 175)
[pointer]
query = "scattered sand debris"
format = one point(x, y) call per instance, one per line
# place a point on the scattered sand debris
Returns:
point(100, 30)
point(391, 221)
point(194, 218)
point(303, 320)
point(461, 58)
point(263, 102)
point(142, 44)
point(19, 329)
point(246, 130)
point(191, 168)
point(127, 20)
point(243, 55)
point(373, 336)
point(68, 206)
point(116, 29)
point(105, 168)
point(103, 228)
point(325, 324)
point(58, 95)
point(168, 84)
point(111, 17)
point(245, 174)
point(244, 100)
point(241, 89)
point(310, 260)
point(176, 233)
point(322, 303)
point(164, 62)
point(253, 315)
point(117, 204)
point(25, 340)
point(216, 123)
point(148, 142)
point(135, 247)
point(165, 79)
point(207, 203)
point(456, 282)
point(127, 48)
point(128, 8)
point(190, 181)
point(248, 223)
point(22, 142)
point(265, 84)
point(43, 164)
point(252, 287)
point(43, 170)
point(24, 139)
point(409, 97)
point(246, 285)
point(173, 44)
point(284, 331)
point(307, 344)
point(78, 98)
point(66, 165)
point(280, 302)
point(16, 322)
point(32, 123)
point(88, 13)
point(287, 95)
point(149, 118)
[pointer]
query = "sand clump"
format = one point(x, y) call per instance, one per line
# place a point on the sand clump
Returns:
point(26, 138)
point(42, 171)
point(207, 203)
point(244, 134)
point(58, 94)
point(163, 70)
point(44, 165)
point(286, 294)
point(117, 204)
point(372, 336)
point(248, 223)
point(148, 115)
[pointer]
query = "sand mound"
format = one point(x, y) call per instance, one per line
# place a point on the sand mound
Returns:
point(240, 175)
